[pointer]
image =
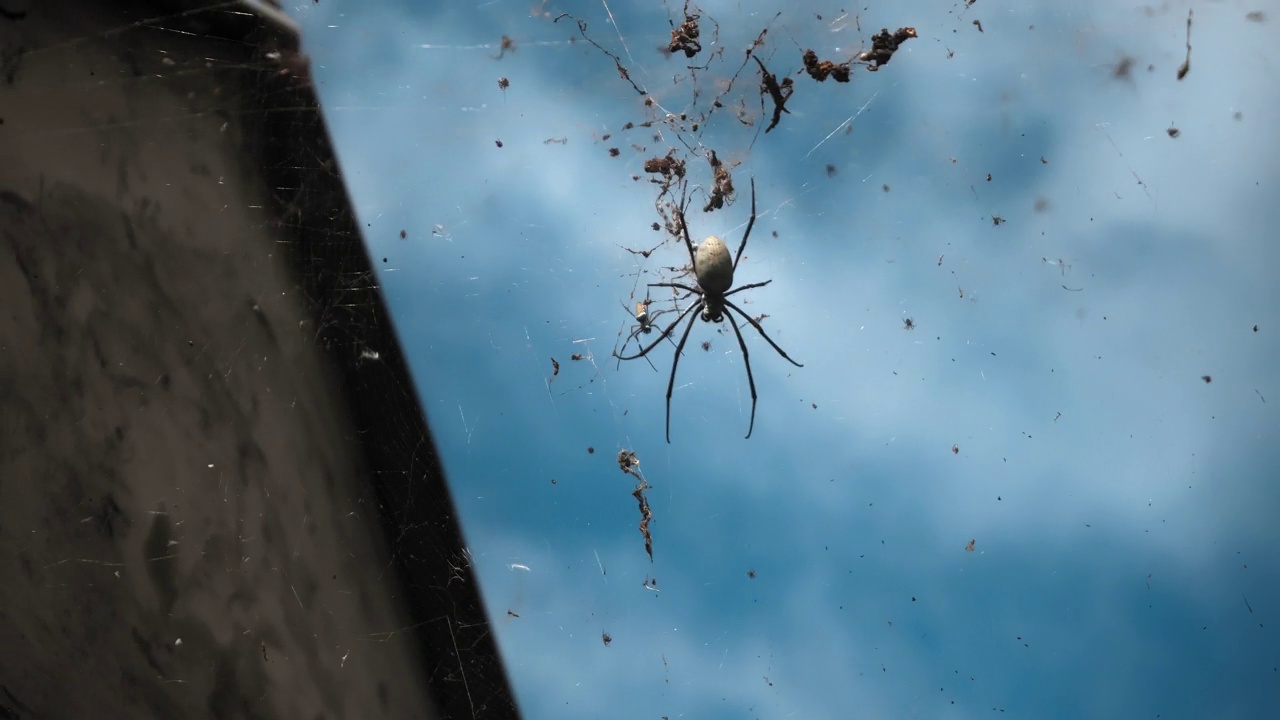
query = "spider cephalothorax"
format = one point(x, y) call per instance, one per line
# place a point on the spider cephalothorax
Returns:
point(713, 268)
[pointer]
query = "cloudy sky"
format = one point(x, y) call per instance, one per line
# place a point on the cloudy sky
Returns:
point(1083, 243)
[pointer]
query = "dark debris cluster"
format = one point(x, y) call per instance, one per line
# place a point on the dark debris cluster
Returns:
point(884, 45)
point(684, 38)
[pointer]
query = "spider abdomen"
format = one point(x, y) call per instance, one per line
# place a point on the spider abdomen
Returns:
point(713, 266)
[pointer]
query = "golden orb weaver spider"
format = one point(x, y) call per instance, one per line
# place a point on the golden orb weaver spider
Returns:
point(714, 272)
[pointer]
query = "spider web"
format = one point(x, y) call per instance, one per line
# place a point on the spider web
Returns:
point(914, 503)
point(877, 191)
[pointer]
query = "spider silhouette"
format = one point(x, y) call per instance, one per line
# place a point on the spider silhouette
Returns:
point(714, 272)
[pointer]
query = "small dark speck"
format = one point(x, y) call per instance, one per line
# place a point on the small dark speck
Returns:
point(1237, 115)
point(1255, 328)
point(831, 170)
point(591, 451)
point(1255, 16)
point(498, 143)
point(1123, 68)
point(1173, 132)
point(1207, 379)
point(885, 187)
point(614, 152)
point(403, 234)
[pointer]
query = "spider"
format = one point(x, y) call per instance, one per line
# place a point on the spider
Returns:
point(644, 324)
point(714, 272)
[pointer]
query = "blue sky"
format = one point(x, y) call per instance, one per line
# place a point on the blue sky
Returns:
point(1123, 510)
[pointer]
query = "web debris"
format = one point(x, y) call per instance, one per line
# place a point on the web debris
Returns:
point(685, 38)
point(629, 463)
point(1185, 67)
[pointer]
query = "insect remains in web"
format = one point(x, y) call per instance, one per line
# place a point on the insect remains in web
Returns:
point(884, 45)
point(507, 45)
point(1185, 67)
point(629, 463)
point(714, 269)
point(685, 38)
point(721, 184)
point(779, 92)
point(644, 253)
point(670, 167)
point(820, 70)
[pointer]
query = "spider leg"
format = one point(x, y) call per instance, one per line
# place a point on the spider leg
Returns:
point(689, 291)
point(684, 226)
point(659, 314)
point(750, 224)
point(652, 318)
point(760, 330)
point(677, 297)
point(679, 285)
point(746, 360)
point(675, 362)
point(643, 328)
point(665, 333)
point(748, 287)
point(635, 331)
